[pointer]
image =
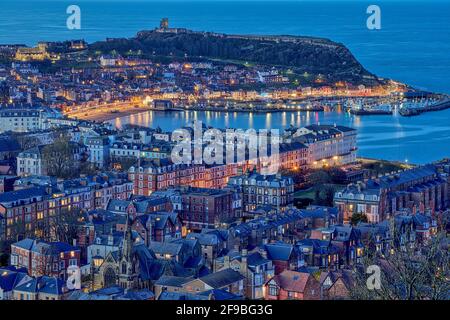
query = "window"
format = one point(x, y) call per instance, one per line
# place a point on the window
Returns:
point(259, 279)
point(273, 290)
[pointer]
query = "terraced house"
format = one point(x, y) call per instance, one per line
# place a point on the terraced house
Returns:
point(419, 189)
point(28, 211)
point(44, 258)
point(328, 145)
point(264, 190)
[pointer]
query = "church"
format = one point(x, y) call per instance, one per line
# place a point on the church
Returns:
point(133, 266)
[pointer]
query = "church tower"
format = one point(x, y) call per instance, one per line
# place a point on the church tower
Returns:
point(128, 263)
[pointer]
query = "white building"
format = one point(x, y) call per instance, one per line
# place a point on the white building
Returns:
point(328, 145)
point(29, 162)
point(108, 61)
point(21, 120)
point(98, 149)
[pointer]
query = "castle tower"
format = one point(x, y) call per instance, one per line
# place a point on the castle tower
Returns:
point(164, 24)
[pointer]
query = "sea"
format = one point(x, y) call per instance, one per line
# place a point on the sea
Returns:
point(412, 46)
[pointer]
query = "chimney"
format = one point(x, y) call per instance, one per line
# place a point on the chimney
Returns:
point(263, 253)
point(226, 261)
point(110, 240)
point(244, 260)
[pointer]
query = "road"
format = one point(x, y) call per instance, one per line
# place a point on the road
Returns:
point(104, 112)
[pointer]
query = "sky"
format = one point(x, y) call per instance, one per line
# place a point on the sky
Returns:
point(374, 1)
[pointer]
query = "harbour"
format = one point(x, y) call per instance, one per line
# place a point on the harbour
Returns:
point(390, 137)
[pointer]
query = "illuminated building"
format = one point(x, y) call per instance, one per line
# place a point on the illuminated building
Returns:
point(32, 54)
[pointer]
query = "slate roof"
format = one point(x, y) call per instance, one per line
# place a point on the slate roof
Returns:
point(44, 284)
point(179, 296)
point(45, 247)
point(279, 251)
point(166, 248)
point(256, 259)
point(222, 234)
point(140, 203)
point(99, 295)
point(23, 194)
point(319, 246)
point(143, 294)
point(270, 221)
point(172, 281)
point(222, 278)
point(219, 294)
point(150, 268)
point(9, 279)
point(205, 239)
point(26, 244)
point(407, 176)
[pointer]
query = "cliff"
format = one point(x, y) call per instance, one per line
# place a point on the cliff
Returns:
point(301, 54)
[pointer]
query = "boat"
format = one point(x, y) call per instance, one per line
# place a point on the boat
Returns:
point(361, 112)
point(409, 112)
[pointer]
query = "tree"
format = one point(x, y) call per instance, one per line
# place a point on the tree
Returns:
point(58, 158)
point(18, 231)
point(324, 195)
point(329, 191)
point(25, 141)
point(87, 168)
point(4, 252)
point(319, 177)
point(338, 175)
point(408, 272)
point(357, 218)
point(64, 226)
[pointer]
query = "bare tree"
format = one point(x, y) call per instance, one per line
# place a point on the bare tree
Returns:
point(43, 263)
point(25, 141)
point(409, 271)
point(64, 226)
point(58, 158)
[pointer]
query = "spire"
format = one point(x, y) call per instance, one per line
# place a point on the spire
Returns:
point(127, 240)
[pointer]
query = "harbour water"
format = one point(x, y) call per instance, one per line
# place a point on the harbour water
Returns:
point(417, 140)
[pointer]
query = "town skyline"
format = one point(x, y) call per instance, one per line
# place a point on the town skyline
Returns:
point(186, 166)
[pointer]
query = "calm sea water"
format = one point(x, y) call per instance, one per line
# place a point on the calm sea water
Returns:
point(413, 46)
point(416, 139)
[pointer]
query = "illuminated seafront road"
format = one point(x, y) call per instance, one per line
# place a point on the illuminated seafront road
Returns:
point(419, 139)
